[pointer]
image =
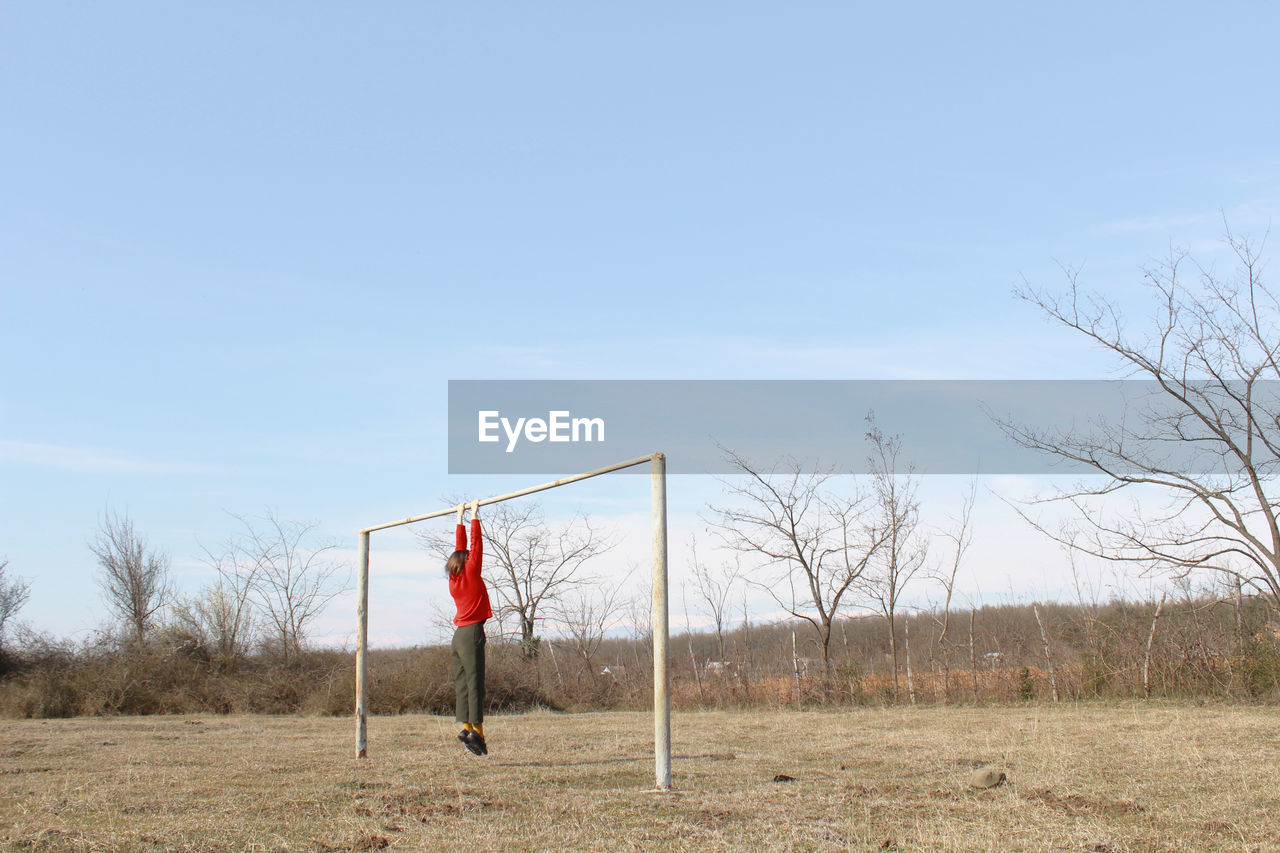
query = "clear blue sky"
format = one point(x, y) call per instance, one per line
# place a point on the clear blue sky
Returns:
point(243, 246)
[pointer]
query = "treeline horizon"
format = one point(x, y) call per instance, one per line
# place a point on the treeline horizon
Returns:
point(1194, 647)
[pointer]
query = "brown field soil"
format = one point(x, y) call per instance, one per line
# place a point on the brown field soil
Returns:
point(1103, 778)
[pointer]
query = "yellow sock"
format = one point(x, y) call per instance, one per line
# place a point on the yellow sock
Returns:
point(478, 728)
point(467, 727)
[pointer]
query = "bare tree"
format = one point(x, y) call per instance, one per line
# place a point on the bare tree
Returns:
point(638, 619)
point(286, 573)
point(1208, 438)
point(586, 615)
point(961, 536)
point(905, 549)
point(134, 578)
point(536, 564)
point(817, 543)
point(1146, 656)
point(1089, 587)
point(1048, 657)
point(14, 593)
point(973, 654)
point(688, 634)
point(714, 587)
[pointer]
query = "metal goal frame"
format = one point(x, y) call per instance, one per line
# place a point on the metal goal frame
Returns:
point(661, 700)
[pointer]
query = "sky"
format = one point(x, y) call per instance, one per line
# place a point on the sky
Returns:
point(244, 246)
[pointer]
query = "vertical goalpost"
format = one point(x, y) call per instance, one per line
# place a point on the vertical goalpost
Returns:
point(661, 701)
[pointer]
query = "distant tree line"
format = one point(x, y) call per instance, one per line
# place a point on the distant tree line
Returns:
point(844, 557)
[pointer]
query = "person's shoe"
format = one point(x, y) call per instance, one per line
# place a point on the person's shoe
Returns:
point(473, 742)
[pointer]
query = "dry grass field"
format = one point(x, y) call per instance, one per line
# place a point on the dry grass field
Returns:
point(1082, 778)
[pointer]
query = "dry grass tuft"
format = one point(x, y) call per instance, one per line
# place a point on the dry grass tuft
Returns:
point(1117, 778)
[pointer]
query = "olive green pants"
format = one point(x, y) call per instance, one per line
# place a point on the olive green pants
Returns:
point(468, 673)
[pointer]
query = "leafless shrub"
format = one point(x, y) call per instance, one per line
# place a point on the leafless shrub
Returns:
point(218, 619)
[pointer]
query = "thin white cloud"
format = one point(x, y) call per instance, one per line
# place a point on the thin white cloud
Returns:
point(89, 460)
point(1244, 217)
point(985, 354)
point(1161, 222)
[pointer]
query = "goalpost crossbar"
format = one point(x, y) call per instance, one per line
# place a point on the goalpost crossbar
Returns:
point(661, 699)
point(564, 481)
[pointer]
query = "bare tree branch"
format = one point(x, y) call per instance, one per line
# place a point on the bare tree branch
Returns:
point(1207, 441)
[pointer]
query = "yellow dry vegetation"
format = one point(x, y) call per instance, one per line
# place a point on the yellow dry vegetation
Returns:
point(1085, 777)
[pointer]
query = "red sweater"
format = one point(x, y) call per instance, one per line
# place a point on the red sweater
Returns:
point(467, 588)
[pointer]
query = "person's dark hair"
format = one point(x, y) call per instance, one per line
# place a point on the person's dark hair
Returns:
point(456, 562)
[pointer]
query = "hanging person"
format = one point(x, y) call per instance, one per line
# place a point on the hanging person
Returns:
point(471, 597)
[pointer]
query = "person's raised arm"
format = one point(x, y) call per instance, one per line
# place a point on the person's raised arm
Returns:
point(477, 541)
point(460, 533)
